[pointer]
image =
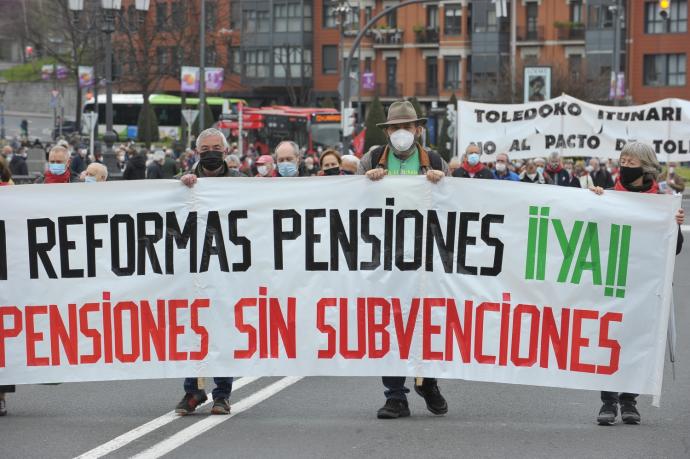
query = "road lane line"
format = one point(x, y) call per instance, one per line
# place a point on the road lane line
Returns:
point(134, 434)
point(198, 428)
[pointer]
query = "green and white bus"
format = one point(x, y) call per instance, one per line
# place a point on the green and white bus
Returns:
point(168, 109)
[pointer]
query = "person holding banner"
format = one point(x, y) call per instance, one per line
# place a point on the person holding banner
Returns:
point(639, 169)
point(212, 147)
point(287, 157)
point(330, 163)
point(404, 155)
point(471, 166)
point(531, 174)
point(600, 176)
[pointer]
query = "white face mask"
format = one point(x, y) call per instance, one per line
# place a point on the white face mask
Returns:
point(500, 167)
point(263, 170)
point(402, 140)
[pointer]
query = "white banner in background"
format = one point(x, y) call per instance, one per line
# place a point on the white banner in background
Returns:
point(574, 128)
point(335, 276)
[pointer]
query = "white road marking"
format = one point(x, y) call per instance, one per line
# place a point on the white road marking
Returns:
point(134, 434)
point(196, 429)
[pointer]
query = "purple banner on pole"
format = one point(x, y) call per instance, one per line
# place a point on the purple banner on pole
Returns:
point(214, 79)
point(368, 80)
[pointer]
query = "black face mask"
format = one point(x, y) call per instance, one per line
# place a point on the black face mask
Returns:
point(332, 171)
point(211, 160)
point(630, 174)
point(348, 173)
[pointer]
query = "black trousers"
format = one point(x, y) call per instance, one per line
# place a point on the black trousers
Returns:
point(6, 388)
point(615, 397)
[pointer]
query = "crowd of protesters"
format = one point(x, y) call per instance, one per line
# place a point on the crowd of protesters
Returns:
point(637, 170)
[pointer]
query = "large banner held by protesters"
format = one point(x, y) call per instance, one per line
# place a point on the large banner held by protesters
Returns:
point(575, 128)
point(471, 279)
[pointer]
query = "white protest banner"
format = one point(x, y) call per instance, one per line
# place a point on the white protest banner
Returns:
point(574, 128)
point(335, 276)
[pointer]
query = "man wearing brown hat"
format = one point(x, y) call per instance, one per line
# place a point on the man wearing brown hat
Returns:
point(404, 155)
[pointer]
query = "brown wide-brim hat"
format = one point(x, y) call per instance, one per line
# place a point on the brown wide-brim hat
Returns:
point(402, 112)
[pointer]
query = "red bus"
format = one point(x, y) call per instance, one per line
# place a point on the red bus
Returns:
point(309, 127)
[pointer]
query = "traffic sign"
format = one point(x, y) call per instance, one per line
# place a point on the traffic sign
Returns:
point(90, 120)
point(190, 115)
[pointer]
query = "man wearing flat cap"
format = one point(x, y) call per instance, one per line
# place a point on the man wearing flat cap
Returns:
point(404, 155)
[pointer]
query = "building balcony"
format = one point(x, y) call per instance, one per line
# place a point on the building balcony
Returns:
point(571, 32)
point(424, 90)
point(530, 34)
point(387, 38)
point(427, 37)
point(389, 90)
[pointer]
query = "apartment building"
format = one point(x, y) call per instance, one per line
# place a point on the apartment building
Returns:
point(291, 51)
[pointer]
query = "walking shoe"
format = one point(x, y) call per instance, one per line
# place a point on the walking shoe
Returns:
point(607, 414)
point(629, 413)
point(3, 407)
point(432, 396)
point(189, 402)
point(220, 406)
point(393, 409)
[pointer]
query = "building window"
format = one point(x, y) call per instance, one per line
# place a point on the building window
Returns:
point(367, 14)
point(330, 59)
point(664, 69)
point(308, 19)
point(288, 17)
point(178, 14)
point(234, 64)
point(211, 14)
point(600, 17)
point(257, 63)
point(451, 79)
point(677, 21)
point(211, 56)
point(432, 17)
point(453, 14)
point(352, 21)
point(432, 74)
point(367, 65)
point(576, 12)
point(491, 24)
point(575, 66)
point(288, 62)
point(162, 58)
point(161, 15)
point(532, 13)
point(392, 19)
point(330, 20)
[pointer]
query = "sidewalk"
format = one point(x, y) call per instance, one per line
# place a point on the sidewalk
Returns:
point(28, 114)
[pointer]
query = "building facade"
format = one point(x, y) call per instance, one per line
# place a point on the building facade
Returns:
point(291, 51)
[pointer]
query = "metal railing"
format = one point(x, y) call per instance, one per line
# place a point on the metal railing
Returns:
point(530, 34)
point(424, 89)
point(389, 90)
point(427, 36)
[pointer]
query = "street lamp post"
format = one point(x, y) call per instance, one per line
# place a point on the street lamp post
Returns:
point(3, 88)
point(355, 46)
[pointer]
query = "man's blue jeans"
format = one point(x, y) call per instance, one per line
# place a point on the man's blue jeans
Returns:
point(222, 390)
point(395, 386)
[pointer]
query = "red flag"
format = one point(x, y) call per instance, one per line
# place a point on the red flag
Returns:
point(358, 143)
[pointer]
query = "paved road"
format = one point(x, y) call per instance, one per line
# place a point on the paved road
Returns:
point(40, 125)
point(335, 417)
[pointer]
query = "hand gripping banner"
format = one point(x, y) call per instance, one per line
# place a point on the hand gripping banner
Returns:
point(470, 279)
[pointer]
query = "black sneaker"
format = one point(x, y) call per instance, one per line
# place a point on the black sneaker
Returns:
point(189, 403)
point(220, 406)
point(607, 414)
point(432, 396)
point(3, 407)
point(629, 413)
point(393, 409)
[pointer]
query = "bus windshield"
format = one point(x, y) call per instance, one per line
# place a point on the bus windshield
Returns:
point(325, 134)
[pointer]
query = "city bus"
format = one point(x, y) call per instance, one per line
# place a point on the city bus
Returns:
point(168, 109)
point(309, 127)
